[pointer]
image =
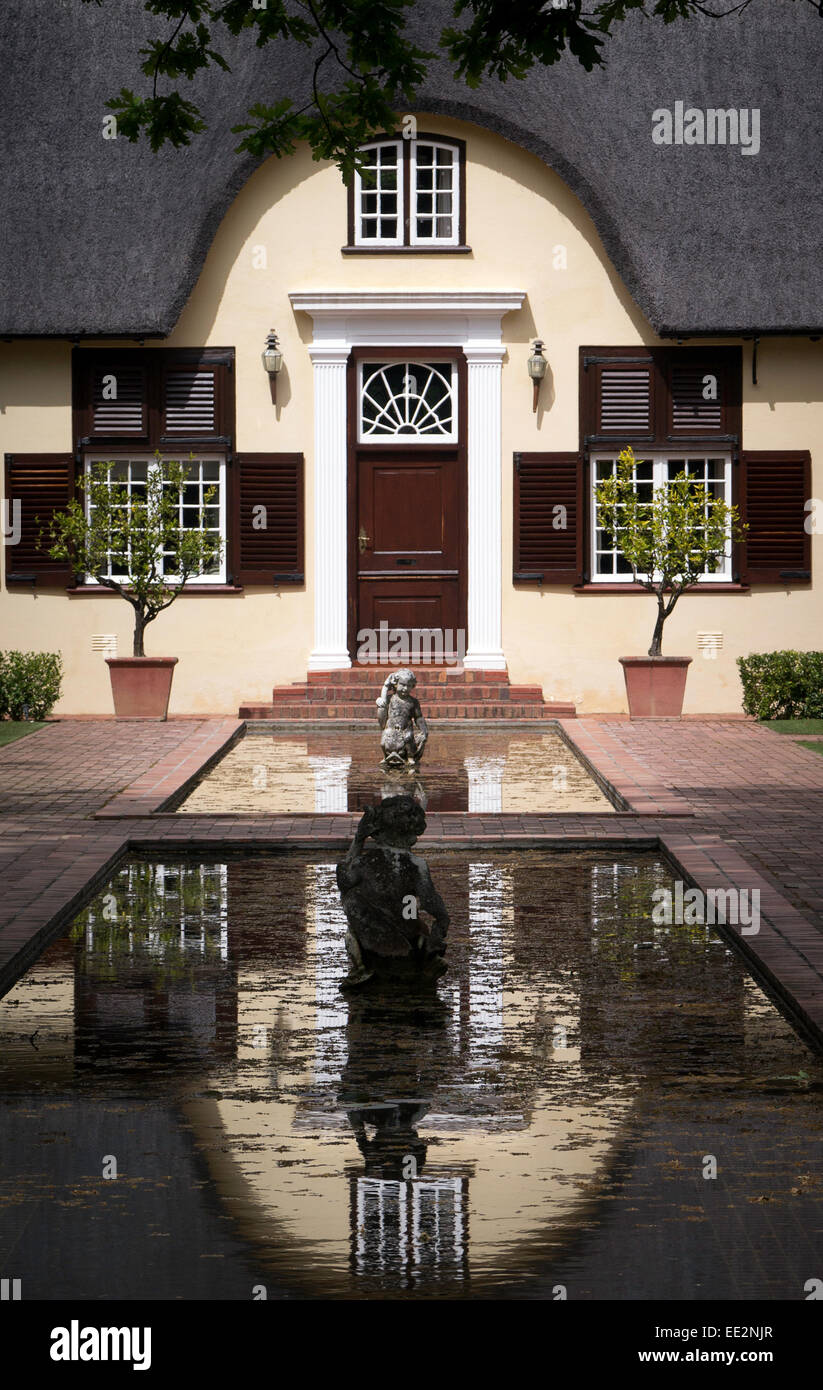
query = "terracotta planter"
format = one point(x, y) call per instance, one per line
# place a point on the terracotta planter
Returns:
point(655, 685)
point(141, 685)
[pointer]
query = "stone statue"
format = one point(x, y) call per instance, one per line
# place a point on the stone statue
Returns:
point(384, 889)
point(404, 784)
point(399, 715)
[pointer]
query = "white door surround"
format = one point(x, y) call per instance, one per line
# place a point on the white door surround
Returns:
point(466, 319)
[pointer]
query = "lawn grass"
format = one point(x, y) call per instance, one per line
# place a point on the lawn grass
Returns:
point(12, 729)
point(794, 726)
point(815, 745)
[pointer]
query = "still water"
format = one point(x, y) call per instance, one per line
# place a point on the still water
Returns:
point(189, 1108)
point(530, 771)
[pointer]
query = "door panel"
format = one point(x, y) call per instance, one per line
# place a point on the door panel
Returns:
point(410, 604)
point(410, 519)
point(408, 510)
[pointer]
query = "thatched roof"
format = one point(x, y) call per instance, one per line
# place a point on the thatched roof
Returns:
point(102, 237)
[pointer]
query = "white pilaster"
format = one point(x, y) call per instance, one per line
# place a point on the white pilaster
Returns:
point(330, 651)
point(489, 895)
point(485, 644)
point(485, 784)
point(331, 784)
point(468, 319)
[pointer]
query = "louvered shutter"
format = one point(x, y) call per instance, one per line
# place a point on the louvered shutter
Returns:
point(41, 484)
point(268, 519)
point(119, 402)
point(695, 409)
point(111, 397)
point(157, 397)
point(193, 401)
point(702, 393)
point(619, 396)
point(548, 518)
point(774, 488)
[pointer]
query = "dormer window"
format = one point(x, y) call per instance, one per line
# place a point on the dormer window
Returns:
point(435, 194)
point(379, 210)
point(408, 195)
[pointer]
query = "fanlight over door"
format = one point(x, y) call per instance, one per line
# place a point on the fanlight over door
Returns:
point(407, 401)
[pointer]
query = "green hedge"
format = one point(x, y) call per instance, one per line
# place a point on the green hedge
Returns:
point(29, 684)
point(782, 685)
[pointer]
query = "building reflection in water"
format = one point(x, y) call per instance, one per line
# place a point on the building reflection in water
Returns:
point(404, 1215)
point(410, 1227)
point(156, 965)
point(516, 772)
point(408, 1143)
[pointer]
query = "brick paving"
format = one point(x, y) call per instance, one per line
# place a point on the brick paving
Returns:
point(760, 792)
point(73, 768)
point(732, 804)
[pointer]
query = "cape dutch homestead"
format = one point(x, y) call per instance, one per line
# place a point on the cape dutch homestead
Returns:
point(393, 471)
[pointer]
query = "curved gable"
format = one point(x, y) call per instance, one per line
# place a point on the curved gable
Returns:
point(102, 237)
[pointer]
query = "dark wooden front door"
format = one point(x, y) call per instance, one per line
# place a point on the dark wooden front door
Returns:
point(409, 541)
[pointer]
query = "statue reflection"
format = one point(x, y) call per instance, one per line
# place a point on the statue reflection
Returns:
point(403, 1220)
point(403, 784)
point(406, 1220)
point(397, 921)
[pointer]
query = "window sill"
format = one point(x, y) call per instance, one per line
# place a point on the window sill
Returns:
point(405, 250)
point(99, 590)
point(722, 587)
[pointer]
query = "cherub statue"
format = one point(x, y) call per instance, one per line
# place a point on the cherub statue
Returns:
point(384, 889)
point(399, 715)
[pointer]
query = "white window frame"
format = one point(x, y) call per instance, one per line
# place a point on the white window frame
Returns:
point(660, 459)
point(367, 437)
point(407, 151)
point(138, 456)
point(454, 238)
point(360, 237)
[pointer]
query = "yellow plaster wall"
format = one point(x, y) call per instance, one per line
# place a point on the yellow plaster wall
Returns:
point(527, 231)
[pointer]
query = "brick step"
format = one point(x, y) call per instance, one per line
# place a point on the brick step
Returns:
point(426, 676)
point(433, 696)
point(508, 710)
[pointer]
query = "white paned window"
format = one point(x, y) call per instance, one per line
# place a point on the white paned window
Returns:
point(203, 475)
point(712, 473)
point(408, 193)
point(378, 202)
point(435, 191)
point(408, 401)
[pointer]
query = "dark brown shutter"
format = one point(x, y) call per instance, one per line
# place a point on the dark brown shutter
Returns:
point(111, 397)
point(696, 407)
point(660, 396)
point(119, 396)
point(702, 393)
point(42, 484)
point(268, 519)
point(774, 488)
point(619, 395)
point(156, 397)
point(191, 401)
point(548, 518)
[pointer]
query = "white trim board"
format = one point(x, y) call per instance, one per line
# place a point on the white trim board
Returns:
point(466, 319)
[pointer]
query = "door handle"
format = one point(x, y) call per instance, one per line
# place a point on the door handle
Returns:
point(363, 540)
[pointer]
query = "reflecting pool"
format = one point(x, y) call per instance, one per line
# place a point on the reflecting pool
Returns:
point(190, 1108)
point(529, 771)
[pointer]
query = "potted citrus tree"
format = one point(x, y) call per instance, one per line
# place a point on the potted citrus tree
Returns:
point(669, 542)
point(129, 538)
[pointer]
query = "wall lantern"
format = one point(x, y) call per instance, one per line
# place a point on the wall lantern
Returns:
point(537, 365)
point(272, 361)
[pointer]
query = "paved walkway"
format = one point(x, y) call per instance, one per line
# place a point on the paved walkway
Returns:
point(732, 804)
point(758, 791)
